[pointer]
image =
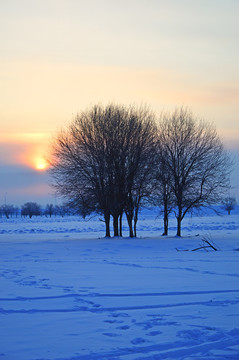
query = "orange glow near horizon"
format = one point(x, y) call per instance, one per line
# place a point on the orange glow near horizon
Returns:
point(33, 160)
point(40, 164)
point(28, 149)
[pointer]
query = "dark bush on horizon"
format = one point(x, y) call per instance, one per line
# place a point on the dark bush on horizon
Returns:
point(31, 209)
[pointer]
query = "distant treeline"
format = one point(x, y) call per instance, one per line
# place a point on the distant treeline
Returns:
point(30, 209)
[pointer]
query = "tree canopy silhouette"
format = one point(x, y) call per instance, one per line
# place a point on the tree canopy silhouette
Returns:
point(104, 162)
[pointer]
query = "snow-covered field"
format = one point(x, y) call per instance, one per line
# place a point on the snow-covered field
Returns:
point(68, 293)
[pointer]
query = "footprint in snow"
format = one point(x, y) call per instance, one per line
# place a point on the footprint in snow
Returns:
point(111, 334)
point(137, 341)
point(124, 327)
point(154, 333)
point(119, 315)
point(113, 321)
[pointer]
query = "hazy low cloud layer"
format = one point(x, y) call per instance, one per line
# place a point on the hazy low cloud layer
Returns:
point(19, 184)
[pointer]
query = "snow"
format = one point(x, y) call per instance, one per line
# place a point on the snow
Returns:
point(67, 293)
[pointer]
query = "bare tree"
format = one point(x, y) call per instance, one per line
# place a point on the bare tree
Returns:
point(30, 209)
point(229, 203)
point(96, 162)
point(163, 195)
point(9, 210)
point(78, 163)
point(139, 165)
point(62, 210)
point(198, 167)
point(49, 210)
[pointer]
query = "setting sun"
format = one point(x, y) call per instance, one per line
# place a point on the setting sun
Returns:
point(40, 164)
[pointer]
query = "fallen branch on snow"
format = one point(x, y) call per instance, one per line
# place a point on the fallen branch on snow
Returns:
point(207, 243)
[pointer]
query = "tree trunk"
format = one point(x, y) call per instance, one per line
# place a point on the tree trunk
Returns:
point(130, 223)
point(135, 221)
point(116, 225)
point(179, 220)
point(120, 224)
point(107, 225)
point(131, 233)
point(165, 223)
point(135, 232)
point(165, 212)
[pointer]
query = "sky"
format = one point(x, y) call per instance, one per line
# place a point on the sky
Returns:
point(58, 57)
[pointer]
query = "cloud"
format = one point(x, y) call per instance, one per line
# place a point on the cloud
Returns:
point(54, 92)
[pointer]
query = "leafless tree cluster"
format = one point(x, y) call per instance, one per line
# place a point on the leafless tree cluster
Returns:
point(111, 159)
point(103, 162)
point(8, 210)
point(194, 168)
point(31, 209)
